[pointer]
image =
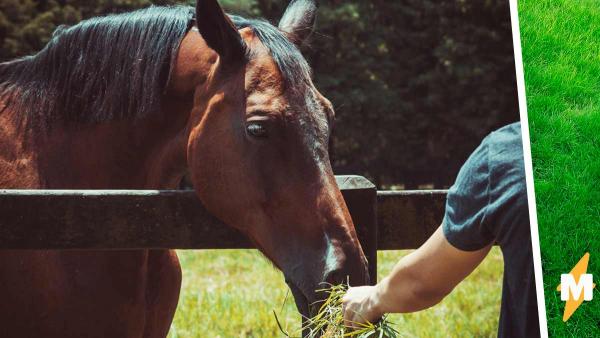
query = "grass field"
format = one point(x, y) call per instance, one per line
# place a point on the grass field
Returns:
point(232, 293)
point(561, 55)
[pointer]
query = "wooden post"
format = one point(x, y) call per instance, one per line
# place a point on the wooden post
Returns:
point(361, 198)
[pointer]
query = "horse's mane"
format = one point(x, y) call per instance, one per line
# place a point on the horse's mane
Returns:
point(103, 68)
point(117, 66)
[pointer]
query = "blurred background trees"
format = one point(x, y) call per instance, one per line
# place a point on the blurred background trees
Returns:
point(416, 84)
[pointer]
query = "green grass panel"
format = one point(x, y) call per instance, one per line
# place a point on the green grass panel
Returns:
point(561, 56)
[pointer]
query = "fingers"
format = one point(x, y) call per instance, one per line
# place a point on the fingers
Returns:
point(346, 311)
point(359, 306)
point(352, 308)
point(349, 318)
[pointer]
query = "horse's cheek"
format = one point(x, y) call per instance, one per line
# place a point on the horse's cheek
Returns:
point(217, 176)
point(199, 163)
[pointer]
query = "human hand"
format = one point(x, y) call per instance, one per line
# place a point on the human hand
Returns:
point(361, 305)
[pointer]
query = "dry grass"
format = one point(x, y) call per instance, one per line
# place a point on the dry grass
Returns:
point(329, 321)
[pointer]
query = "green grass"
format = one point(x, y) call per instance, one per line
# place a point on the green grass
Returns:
point(232, 293)
point(561, 56)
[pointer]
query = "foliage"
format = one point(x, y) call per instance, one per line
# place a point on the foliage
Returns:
point(416, 83)
point(233, 293)
point(562, 76)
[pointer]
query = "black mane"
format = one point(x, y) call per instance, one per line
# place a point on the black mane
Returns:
point(103, 68)
point(117, 66)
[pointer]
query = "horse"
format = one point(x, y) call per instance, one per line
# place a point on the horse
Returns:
point(139, 100)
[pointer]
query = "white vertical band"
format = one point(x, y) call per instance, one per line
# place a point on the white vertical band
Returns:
point(535, 239)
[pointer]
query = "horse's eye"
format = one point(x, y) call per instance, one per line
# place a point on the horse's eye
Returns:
point(256, 129)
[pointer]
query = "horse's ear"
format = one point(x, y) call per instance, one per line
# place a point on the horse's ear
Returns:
point(219, 32)
point(298, 21)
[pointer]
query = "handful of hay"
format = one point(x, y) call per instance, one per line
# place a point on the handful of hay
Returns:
point(329, 321)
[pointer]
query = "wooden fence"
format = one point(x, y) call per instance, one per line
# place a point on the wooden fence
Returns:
point(136, 219)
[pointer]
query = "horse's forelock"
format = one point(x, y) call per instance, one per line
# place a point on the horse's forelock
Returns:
point(291, 63)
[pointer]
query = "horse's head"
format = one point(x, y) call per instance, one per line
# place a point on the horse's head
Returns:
point(257, 149)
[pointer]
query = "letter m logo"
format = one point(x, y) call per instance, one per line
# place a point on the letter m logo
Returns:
point(571, 290)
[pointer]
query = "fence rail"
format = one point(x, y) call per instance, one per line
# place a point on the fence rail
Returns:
point(135, 219)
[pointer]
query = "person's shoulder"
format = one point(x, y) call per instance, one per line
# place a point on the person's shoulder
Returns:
point(505, 136)
point(506, 157)
point(505, 144)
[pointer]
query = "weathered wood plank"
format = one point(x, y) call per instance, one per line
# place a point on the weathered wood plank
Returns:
point(113, 219)
point(110, 220)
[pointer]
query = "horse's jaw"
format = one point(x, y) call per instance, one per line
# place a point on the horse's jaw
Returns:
point(302, 303)
point(300, 299)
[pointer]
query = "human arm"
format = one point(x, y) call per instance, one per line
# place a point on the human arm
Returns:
point(418, 281)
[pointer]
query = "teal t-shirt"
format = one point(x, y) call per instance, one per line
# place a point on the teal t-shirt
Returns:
point(488, 203)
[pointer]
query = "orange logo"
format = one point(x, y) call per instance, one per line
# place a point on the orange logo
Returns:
point(576, 286)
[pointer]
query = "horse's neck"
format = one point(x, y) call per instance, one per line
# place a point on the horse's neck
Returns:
point(17, 165)
point(146, 154)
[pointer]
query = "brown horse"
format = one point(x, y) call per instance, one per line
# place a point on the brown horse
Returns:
point(136, 101)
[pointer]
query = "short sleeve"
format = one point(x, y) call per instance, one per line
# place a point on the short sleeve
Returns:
point(507, 212)
point(467, 203)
